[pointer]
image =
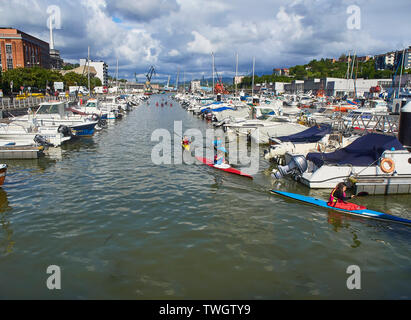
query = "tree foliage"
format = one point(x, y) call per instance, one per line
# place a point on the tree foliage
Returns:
point(41, 78)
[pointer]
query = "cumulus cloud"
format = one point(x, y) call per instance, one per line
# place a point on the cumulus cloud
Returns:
point(181, 34)
point(200, 44)
point(141, 10)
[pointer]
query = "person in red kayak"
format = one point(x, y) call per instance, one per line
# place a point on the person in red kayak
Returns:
point(338, 199)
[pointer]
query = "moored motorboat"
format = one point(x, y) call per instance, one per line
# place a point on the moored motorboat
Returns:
point(374, 163)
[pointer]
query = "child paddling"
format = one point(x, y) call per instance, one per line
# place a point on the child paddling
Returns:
point(338, 199)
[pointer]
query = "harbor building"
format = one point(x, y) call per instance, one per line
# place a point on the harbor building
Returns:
point(337, 86)
point(385, 61)
point(392, 60)
point(195, 86)
point(281, 72)
point(101, 68)
point(238, 79)
point(21, 50)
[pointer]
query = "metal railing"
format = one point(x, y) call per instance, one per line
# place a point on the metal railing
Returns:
point(30, 102)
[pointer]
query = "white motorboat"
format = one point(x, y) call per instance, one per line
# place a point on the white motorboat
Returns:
point(55, 114)
point(374, 163)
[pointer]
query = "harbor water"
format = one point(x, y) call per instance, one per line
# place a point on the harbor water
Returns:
point(121, 227)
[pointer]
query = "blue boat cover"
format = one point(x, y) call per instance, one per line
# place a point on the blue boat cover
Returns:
point(313, 134)
point(222, 109)
point(362, 152)
point(207, 110)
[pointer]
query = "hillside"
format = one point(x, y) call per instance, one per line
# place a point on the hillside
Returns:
point(324, 68)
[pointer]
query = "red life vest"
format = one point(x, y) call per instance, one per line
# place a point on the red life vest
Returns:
point(340, 204)
point(333, 201)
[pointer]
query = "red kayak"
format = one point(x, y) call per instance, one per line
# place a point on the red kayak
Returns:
point(210, 163)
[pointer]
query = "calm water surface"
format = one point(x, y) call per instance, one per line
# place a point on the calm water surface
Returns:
point(122, 228)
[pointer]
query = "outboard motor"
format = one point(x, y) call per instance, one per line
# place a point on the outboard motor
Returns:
point(66, 131)
point(298, 164)
point(95, 117)
point(40, 140)
point(102, 123)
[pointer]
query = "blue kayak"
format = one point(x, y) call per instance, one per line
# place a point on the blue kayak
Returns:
point(366, 213)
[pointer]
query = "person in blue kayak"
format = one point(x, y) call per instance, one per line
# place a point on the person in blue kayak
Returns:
point(338, 198)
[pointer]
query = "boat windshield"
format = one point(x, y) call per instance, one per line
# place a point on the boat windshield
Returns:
point(91, 105)
point(49, 109)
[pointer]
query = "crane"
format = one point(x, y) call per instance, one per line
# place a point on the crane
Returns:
point(151, 72)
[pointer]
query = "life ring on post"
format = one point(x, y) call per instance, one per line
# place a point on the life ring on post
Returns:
point(387, 162)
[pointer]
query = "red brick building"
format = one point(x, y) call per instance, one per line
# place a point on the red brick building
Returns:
point(21, 50)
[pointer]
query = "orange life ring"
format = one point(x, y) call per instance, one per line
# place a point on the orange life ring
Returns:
point(390, 164)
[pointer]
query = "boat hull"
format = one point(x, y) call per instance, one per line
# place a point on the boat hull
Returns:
point(84, 130)
point(3, 172)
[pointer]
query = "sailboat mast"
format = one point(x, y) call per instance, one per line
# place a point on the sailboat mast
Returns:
point(236, 74)
point(212, 54)
point(88, 70)
point(352, 69)
point(178, 75)
point(348, 65)
point(117, 76)
point(252, 85)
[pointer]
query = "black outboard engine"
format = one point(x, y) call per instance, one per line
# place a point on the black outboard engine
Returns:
point(298, 164)
point(95, 117)
point(102, 123)
point(66, 131)
point(40, 140)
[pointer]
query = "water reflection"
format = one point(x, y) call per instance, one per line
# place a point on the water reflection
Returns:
point(37, 165)
point(80, 144)
point(6, 232)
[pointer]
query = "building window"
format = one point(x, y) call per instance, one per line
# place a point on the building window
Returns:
point(9, 63)
point(9, 56)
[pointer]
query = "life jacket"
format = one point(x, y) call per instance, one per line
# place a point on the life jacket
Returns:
point(333, 201)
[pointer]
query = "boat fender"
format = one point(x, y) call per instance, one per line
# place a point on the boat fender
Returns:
point(387, 165)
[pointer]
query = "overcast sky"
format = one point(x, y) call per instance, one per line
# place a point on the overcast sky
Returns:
point(181, 34)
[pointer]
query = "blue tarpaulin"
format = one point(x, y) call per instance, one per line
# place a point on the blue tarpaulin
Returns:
point(207, 110)
point(362, 152)
point(222, 109)
point(313, 134)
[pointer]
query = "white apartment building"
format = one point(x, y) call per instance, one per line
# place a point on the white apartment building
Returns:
point(407, 60)
point(101, 68)
point(195, 85)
